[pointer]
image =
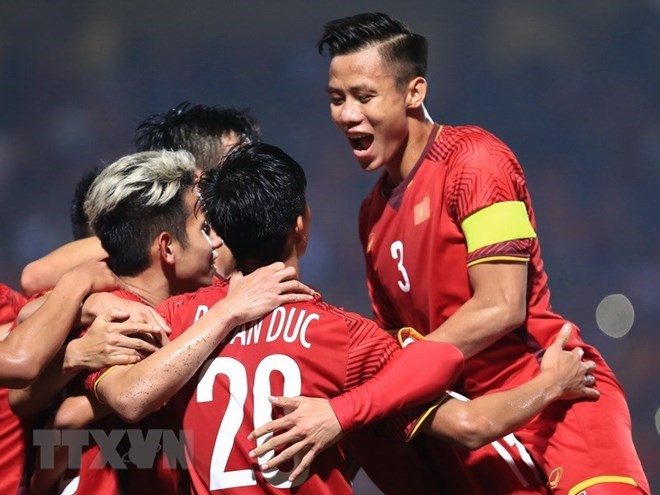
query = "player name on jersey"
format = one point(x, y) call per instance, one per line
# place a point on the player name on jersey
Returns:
point(286, 324)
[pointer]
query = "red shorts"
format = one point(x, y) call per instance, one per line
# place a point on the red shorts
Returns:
point(428, 466)
point(586, 447)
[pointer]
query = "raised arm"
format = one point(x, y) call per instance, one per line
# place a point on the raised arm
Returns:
point(28, 349)
point(42, 274)
point(135, 391)
point(472, 424)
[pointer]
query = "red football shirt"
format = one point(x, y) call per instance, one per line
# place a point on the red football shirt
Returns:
point(464, 202)
point(417, 253)
point(101, 478)
point(311, 349)
point(12, 429)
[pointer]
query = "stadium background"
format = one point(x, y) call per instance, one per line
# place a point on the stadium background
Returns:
point(571, 87)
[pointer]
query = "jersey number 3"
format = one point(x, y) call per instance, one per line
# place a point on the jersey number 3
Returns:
point(396, 250)
point(234, 370)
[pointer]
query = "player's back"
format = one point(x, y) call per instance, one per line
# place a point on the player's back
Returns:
point(299, 349)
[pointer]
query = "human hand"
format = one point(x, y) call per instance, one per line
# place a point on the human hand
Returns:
point(311, 426)
point(569, 372)
point(257, 294)
point(102, 302)
point(112, 339)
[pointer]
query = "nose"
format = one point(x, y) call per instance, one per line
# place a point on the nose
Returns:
point(215, 239)
point(349, 115)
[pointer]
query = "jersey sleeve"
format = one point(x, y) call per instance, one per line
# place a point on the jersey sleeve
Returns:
point(11, 303)
point(374, 390)
point(369, 349)
point(487, 198)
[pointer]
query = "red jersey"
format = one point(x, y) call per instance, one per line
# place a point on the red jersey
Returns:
point(464, 202)
point(311, 349)
point(98, 477)
point(11, 303)
point(12, 429)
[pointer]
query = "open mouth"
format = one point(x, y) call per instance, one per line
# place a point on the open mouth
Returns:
point(361, 142)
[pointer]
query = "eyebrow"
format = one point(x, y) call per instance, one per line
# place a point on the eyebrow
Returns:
point(352, 89)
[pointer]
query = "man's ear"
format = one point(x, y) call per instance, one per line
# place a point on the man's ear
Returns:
point(302, 230)
point(416, 92)
point(165, 246)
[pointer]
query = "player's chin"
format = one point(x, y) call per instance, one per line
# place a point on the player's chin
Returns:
point(207, 278)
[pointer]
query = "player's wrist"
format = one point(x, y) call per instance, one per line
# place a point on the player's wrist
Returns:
point(72, 356)
point(225, 316)
point(549, 383)
point(343, 407)
point(74, 286)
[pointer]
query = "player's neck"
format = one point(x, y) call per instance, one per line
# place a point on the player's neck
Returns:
point(418, 136)
point(148, 286)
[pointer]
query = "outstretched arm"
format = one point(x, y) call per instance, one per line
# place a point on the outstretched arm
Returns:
point(311, 426)
point(135, 391)
point(416, 375)
point(28, 349)
point(472, 424)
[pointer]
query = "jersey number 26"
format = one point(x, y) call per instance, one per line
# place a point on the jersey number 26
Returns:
point(234, 370)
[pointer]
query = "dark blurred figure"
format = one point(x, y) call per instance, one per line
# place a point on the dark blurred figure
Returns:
point(208, 132)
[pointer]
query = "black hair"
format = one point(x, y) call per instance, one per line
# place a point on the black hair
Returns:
point(79, 222)
point(198, 130)
point(252, 201)
point(397, 44)
point(126, 233)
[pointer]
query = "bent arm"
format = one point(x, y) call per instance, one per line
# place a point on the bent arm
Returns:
point(498, 306)
point(135, 391)
point(79, 411)
point(42, 274)
point(29, 348)
point(480, 421)
point(38, 395)
point(564, 376)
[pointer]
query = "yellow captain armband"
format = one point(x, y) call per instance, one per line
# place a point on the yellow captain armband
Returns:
point(424, 417)
point(499, 222)
point(98, 380)
point(408, 335)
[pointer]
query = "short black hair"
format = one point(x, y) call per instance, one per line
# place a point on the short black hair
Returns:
point(252, 201)
point(80, 226)
point(397, 44)
point(196, 129)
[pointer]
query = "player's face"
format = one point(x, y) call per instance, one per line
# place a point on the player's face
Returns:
point(368, 108)
point(195, 262)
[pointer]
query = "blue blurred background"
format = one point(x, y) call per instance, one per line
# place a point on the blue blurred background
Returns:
point(572, 87)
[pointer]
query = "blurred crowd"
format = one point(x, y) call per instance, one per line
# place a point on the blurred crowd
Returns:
point(571, 87)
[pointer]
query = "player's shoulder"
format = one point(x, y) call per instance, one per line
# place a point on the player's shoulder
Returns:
point(204, 295)
point(464, 138)
point(337, 312)
point(471, 146)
